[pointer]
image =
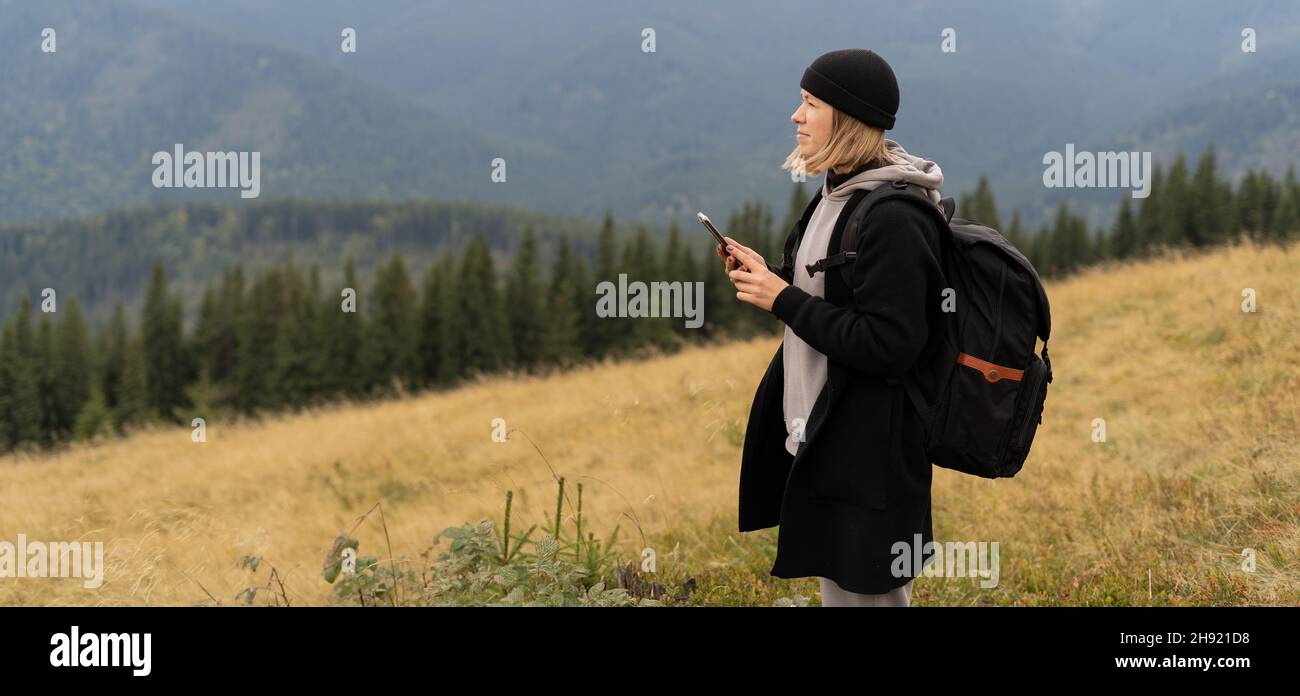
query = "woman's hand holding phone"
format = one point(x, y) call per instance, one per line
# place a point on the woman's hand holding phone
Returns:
point(748, 271)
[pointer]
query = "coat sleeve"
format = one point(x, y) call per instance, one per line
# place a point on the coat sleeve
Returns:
point(885, 330)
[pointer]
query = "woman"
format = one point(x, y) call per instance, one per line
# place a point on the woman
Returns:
point(834, 453)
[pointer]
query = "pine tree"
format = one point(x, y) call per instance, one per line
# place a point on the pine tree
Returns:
point(93, 418)
point(673, 270)
point(1149, 215)
point(651, 330)
point(1124, 237)
point(1269, 198)
point(604, 333)
point(1286, 216)
point(20, 379)
point(343, 371)
point(526, 303)
point(8, 370)
point(584, 303)
point(72, 368)
point(484, 339)
point(1285, 224)
point(312, 338)
point(43, 360)
point(205, 329)
point(692, 274)
point(392, 328)
point(1290, 182)
point(255, 374)
point(1210, 203)
point(562, 337)
point(112, 350)
point(216, 335)
point(1175, 205)
point(438, 324)
point(1040, 253)
point(985, 208)
point(133, 394)
point(1070, 246)
point(1016, 234)
point(31, 379)
point(627, 337)
point(295, 363)
point(1250, 201)
point(164, 348)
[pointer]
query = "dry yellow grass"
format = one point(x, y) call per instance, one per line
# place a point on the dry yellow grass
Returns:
point(1201, 460)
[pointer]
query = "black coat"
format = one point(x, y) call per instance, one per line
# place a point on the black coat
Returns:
point(861, 479)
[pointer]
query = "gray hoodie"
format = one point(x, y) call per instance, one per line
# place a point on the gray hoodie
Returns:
point(804, 366)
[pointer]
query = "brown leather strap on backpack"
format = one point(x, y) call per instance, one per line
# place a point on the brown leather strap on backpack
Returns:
point(991, 371)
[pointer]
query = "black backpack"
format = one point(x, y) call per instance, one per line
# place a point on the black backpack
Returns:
point(991, 386)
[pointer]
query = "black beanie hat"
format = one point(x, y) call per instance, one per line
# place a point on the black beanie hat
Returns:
point(857, 82)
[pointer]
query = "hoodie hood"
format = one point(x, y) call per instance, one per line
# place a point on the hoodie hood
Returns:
point(916, 170)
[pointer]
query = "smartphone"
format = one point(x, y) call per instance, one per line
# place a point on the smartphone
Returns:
point(708, 224)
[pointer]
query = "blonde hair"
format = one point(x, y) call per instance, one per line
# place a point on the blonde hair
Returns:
point(851, 145)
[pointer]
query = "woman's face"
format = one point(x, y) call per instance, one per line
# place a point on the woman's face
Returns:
point(812, 123)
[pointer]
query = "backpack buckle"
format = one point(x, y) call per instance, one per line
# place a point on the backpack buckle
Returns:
point(831, 262)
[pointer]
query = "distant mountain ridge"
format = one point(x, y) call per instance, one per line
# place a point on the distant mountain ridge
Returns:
point(584, 119)
point(81, 125)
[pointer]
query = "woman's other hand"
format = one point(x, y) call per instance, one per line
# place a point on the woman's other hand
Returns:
point(730, 261)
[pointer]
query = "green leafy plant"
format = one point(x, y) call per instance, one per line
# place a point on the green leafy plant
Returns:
point(484, 564)
point(487, 564)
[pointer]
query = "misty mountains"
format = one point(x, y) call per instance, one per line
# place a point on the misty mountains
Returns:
point(585, 120)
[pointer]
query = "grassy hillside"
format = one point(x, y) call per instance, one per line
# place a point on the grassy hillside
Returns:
point(1199, 463)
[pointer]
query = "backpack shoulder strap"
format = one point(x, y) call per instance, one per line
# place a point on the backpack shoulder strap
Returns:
point(792, 239)
point(847, 254)
point(884, 192)
point(849, 242)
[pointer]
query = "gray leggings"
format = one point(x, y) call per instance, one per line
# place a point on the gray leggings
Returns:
point(835, 596)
